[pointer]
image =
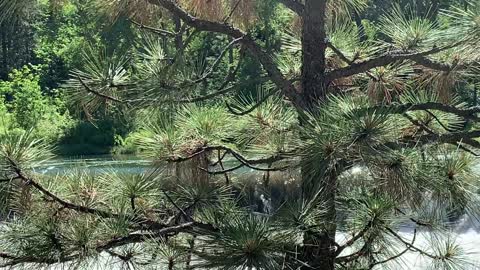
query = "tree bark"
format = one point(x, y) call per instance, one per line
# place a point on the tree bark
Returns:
point(314, 45)
point(4, 71)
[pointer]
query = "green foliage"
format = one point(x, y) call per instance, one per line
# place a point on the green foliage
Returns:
point(28, 102)
point(244, 242)
point(204, 125)
point(86, 138)
point(57, 44)
point(141, 192)
point(268, 128)
point(407, 30)
point(22, 149)
point(30, 109)
point(390, 145)
point(101, 72)
point(370, 30)
point(18, 150)
point(5, 119)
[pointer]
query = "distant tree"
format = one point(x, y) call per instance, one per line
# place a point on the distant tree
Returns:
point(15, 35)
point(365, 135)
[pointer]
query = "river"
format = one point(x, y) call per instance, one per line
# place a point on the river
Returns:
point(94, 164)
point(466, 232)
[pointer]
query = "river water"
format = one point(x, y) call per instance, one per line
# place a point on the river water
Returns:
point(95, 164)
point(466, 232)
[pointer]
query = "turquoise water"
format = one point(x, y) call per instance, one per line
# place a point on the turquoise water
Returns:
point(118, 163)
point(94, 164)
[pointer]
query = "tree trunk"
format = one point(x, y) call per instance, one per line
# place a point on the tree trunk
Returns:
point(28, 55)
point(4, 70)
point(314, 44)
point(318, 250)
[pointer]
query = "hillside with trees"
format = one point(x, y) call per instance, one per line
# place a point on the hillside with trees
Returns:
point(283, 134)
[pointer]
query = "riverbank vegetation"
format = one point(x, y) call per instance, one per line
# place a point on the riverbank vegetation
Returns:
point(357, 117)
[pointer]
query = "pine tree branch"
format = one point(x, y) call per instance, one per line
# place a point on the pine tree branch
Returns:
point(120, 256)
point(339, 53)
point(383, 60)
point(7, 256)
point(416, 221)
point(31, 182)
point(424, 61)
point(222, 90)
point(198, 152)
point(346, 60)
point(354, 239)
point(419, 124)
point(232, 71)
point(354, 256)
point(453, 137)
point(220, 158)
point(108, 245)
point(184, 44)
point(187, 217)
point(246, 163)
point(278, 157)
point(132, 238)
point(439, 122)
point(90, 90)
point(79, 208)
point(457, 138)
point(414, 248)
point(249, 44)
point(142, 237)
point(430, 131)
point(218, 60)
point(250, 163)
point(251, 109)
point(223, 171)
point(229, 16)
point(400, 254)
point(152, 29)
point(220, 162)
point(470, 113)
